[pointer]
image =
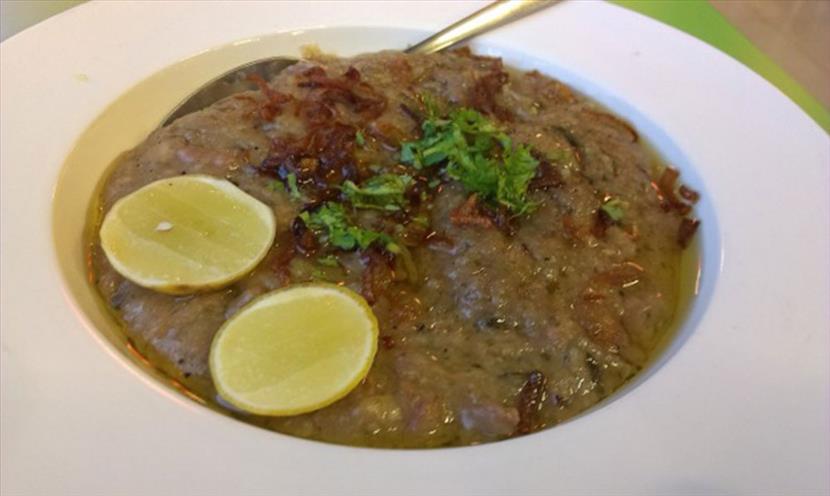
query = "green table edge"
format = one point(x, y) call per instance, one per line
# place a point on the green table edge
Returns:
point(701, 20)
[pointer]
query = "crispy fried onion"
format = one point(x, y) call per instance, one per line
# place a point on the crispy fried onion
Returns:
point(274, 100)
point(469, 214)
point(347, 90)
point(670, 200)
point(530, 402)
point(378, 273)
point(322, 157)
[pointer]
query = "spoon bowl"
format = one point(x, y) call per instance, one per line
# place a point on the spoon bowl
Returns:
point(233, 81)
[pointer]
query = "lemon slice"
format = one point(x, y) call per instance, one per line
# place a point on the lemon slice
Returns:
point(294, 350)
point(187, 233)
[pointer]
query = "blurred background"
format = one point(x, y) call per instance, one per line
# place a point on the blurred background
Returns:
point(795, 34)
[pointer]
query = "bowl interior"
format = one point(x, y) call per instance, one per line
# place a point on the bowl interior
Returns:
point(129, 119)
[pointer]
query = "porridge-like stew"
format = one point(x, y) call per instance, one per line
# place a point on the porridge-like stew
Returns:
point(519, 245)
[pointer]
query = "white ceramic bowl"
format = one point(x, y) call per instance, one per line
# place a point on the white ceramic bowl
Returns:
point(738, 404)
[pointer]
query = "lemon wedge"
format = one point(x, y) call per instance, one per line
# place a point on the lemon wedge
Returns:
point(187, 233)
point(294, 350)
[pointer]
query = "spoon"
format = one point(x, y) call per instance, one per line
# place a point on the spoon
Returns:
point(237, 79)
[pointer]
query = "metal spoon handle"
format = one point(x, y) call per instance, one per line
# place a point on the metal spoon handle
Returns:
point(491, 16)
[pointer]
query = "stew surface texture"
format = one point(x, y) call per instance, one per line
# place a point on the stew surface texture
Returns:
point(518, 280)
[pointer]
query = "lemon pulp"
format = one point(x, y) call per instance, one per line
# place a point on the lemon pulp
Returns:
point(187, 233)
point(294, 350)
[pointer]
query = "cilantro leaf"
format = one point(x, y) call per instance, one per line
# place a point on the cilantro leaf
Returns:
point(328, 261)
point(275, 185)
point(614, 209)
point(381, 192)
point(359, 138)
point(431, 104)
point(519, 167)
point(293, 191)
point(331, 224)
point(421, 220)
point(478, 154)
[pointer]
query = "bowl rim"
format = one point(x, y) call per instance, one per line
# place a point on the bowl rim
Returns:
point(705, 252)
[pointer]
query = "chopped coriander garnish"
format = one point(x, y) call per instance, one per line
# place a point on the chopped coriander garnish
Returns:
point(477, 154)
point(434, 182)
point(291, 179)
point(359, 138)
point(405, 257)
point(319, 274)
point(331, 224)
point(421, 220)
point(431, 104)
point(328, 261)
point(560, 155)
point(381, 192)
point(614, 209)
point(276, 185)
